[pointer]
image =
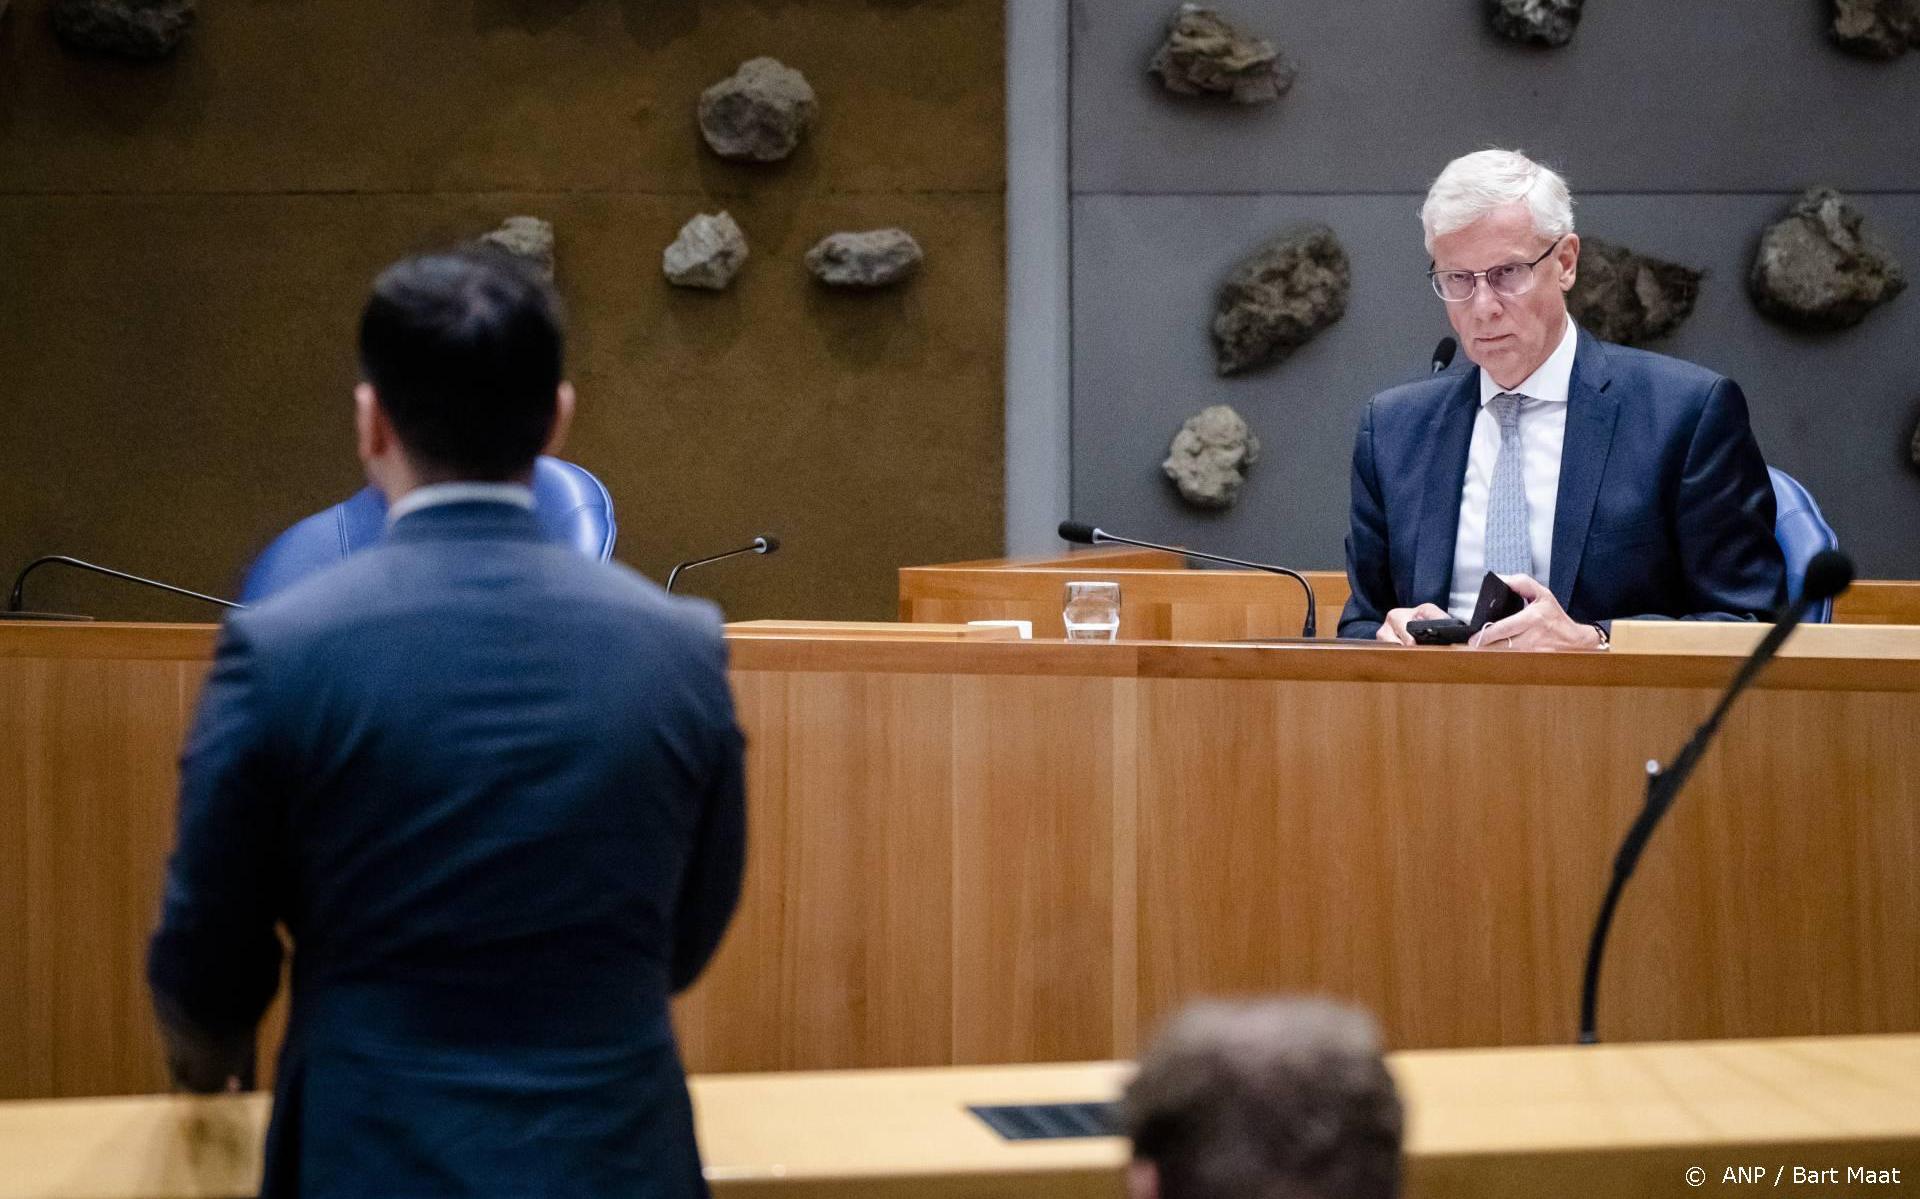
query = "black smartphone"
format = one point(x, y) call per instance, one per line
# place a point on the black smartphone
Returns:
point(1497, 602)
point(1449, 630)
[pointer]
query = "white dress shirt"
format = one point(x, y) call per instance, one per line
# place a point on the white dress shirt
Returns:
point(1543, 429)
point(435, 494)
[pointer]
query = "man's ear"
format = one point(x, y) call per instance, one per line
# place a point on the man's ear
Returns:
point(371, 430)
point(562, 419)
point(1568, 260)
point(381, 454)
point(1143, 1179)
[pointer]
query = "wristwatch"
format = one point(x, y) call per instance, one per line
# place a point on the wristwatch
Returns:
point(1606, 642)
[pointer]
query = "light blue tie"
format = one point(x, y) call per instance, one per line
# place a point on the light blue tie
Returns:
point(1509, 550)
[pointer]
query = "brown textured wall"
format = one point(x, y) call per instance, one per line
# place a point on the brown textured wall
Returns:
point(184, 248)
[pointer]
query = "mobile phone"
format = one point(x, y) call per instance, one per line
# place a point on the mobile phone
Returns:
point(1497, 602)
point(1449, 630)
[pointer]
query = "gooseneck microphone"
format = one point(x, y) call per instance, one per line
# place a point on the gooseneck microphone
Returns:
point(16, 598)
point(759, 545)
point(1828, 574)
point(1443, 354)
point(1085, 534)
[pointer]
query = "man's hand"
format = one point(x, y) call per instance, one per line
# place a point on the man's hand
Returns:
point(1394, 627)
point(1542, 624)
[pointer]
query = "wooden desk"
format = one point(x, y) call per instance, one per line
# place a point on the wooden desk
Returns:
point(876, 630)
point(1736, 640)
point(1878, 601)
point(1483, 1124)
point(1161, 599)
point(1031, 851)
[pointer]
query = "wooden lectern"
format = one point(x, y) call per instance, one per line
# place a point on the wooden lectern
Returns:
point(975, 850)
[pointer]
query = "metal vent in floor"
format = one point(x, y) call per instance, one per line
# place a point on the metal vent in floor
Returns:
point(1050, 1121)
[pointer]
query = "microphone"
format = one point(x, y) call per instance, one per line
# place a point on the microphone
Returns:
point(759, 545)
point(16, 597)
point(1828, 574)
point(1443, 354)
point(1085, 534)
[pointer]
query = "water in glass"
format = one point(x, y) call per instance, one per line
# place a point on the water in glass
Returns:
point(1092, 612)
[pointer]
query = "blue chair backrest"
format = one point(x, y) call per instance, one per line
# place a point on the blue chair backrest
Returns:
point(572, 506)
point(1802, 532)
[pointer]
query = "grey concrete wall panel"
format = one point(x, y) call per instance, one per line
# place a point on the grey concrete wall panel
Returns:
point(1835, 410)
point(1652, 96)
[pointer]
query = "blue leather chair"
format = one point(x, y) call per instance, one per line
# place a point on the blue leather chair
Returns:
point(572, 506)
point(1802, 532)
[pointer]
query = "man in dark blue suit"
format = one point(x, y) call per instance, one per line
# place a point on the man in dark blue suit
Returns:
point(491, 790)
point(1630, 482)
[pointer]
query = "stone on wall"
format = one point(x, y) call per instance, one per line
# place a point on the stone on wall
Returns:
point(875, 258)
point(1209, 457)
point(1821, 267)
point(708, 253)
point(1535, 22)
point(1280, 296)
point(759, 113)
point(1204, 55)
point(1629, 298)
point(1876, 28)
point(138, 29)
point(527, 238)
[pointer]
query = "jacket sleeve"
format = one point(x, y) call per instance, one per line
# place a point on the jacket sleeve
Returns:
point(1369, 572)
point(710, 889)
point(214, 961)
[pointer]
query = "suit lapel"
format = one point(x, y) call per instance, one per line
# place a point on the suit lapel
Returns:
point(1449, 434)
point(1591, 413)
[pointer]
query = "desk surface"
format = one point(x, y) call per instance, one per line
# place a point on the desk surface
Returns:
point(1330, 661)
point(1486, 1122)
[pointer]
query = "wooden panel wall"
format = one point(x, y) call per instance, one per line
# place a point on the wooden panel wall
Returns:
point(186, 247)
point(87, 777)
point(1004, 852)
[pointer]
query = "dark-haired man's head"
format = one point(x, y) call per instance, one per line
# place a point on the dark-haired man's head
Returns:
point(1276, 1099)
point(461, 356)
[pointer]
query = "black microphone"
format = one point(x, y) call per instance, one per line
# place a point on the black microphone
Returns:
point(17, 596)
point(759, 545)
point(1443, 354)
point(1828, 574)
point(1085, 534)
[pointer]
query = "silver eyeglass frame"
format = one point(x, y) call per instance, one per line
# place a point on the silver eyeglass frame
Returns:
point(1433, 276)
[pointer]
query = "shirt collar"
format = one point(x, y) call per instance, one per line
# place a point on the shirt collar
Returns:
point(435, 494)
point(1552, 380)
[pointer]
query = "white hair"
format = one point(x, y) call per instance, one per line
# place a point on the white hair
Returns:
point(1473, 185)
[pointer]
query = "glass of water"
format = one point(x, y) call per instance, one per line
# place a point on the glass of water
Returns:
point(1092, 612)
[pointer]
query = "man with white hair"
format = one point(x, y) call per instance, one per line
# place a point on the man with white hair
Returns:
point(1600, 482)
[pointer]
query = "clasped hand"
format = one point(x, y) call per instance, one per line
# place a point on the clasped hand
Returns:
point(1542, 624)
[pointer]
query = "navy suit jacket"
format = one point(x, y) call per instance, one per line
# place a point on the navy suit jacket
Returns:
point(1664, 507)
point(492, 790)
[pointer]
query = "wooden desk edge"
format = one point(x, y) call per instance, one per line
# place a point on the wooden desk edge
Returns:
point(1328, 661)
point(1816, 1137)
point(1351, 662)
point(107, 639)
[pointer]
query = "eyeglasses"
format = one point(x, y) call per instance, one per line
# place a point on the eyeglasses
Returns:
point(1509, 279)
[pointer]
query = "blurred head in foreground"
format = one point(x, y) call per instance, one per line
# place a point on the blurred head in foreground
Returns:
point(1270, 1099)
